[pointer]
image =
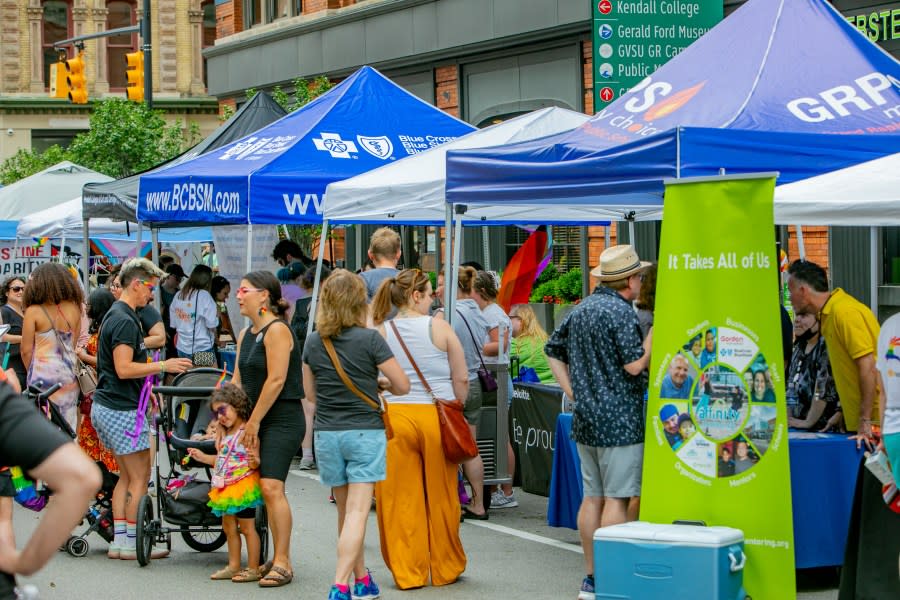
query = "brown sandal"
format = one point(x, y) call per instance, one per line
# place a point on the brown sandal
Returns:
point(276, 577)
point(247, 575)
point(223, 574)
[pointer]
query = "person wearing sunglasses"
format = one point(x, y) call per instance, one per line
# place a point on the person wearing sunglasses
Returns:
point(12, 313)
point(121, 426)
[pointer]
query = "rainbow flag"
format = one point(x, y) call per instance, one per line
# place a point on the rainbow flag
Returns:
point(524, 268)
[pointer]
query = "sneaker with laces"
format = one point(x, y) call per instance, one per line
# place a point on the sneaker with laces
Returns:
point(501, 500)
point(337, 594)
point(307, 463)
point(587, 589)
point(361, 591)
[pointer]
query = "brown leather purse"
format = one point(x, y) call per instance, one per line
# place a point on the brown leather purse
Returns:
point(381, 406)
point(456, 437)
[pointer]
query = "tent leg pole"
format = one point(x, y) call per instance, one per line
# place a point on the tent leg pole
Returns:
point(801, 246)
point(457, 249)
point(438, 262)
point(486, 248)
point(585, 263)
point(448, 262)
point(137, 245)
point(874, 267)
point(631, 234)
point(62, 249)
point(85, 255)
point(360, 253)
point(249, 248)
point(154, 256)
point(315, 292)
point(607, 236)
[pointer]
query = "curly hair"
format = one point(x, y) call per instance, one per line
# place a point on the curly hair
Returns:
point(7, 283)
point(343, 303)
point(230, 394)
point(397, 291)
point(52, 283)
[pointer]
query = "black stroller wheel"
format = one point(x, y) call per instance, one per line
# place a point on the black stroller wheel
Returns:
point(204, 540)
point(145, 531)
point(262, 529)
point(77, 547)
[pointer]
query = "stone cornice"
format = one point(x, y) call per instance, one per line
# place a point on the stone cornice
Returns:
point(39, 105)
point(35, 13)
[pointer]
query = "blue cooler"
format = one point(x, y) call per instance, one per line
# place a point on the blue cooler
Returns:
point(648, 561)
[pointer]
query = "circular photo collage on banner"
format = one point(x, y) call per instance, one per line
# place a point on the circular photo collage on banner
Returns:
point(717, 403)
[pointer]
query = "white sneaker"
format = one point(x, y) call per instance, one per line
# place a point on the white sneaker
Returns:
point(307, 464)
point(501, 500)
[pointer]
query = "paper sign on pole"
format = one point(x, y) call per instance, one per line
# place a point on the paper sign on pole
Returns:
point(231, 253)
point(21, 260)
point(717, 445)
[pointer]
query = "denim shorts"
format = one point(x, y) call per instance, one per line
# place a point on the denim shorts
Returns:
point(353, 456)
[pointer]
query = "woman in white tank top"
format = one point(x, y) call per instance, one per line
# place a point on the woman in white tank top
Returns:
point(418, 506)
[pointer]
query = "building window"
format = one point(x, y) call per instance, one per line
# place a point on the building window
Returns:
point(252, 13)
point(121, 14)
point(208, 37)
point(57, 26)
point(566, 245)
point(42, 139)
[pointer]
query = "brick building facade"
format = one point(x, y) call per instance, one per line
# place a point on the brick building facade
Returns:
point(29, 28)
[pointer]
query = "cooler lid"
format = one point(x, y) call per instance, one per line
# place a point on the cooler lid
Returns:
point(685, 535)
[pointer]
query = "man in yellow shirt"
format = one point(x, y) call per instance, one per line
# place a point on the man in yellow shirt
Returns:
point(851, 335)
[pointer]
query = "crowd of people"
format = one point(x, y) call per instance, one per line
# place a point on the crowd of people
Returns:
point(360, 390)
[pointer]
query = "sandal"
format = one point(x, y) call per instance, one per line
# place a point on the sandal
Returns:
point(265, 568)
point(247, 575)
point(276, 577)
point(223, 574)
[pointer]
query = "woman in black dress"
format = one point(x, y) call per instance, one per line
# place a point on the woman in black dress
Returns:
point(11, 298)
point(268, 370)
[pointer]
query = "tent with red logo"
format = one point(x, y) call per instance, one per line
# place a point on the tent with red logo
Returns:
point(780, 85)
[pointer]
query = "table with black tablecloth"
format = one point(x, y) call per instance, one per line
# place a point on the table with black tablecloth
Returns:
point(824, 469)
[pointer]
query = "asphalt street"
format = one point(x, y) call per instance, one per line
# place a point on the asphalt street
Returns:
point(513, 555)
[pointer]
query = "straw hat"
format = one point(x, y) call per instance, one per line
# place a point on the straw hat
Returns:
point(619, 262)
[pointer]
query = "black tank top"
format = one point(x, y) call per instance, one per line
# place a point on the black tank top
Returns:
point(254, 370)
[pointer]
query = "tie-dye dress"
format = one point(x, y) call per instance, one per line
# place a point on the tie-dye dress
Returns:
point(53, 362)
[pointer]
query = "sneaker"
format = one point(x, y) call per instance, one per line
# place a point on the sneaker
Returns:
point(336, 594)
point(501, 500)
point(361, 591)
point(151, 489)
point(587, 589)
point(307, 464)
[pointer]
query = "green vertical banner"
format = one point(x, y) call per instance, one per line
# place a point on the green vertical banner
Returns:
point(716, 447)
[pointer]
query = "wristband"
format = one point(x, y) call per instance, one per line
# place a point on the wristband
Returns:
point(162, 367)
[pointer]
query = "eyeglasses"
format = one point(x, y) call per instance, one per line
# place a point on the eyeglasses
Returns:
point(221, 411)
point(515, 317)
point(243, 290)
point(16, 288)
point(148, 285)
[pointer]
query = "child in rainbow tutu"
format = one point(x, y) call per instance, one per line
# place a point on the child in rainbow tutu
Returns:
point(235, 492)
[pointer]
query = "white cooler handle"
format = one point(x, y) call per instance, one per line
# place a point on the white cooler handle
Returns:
point(735, 566)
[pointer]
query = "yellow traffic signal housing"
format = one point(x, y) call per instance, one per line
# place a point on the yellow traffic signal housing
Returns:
point(76, 80)
point(58, 86)
point(134, 75)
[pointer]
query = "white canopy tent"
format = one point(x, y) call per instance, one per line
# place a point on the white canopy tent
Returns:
point(64, 221)
point(411, 191)
point(46, 189)
point(867, 194)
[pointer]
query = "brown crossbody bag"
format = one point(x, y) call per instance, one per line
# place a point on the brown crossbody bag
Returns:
point(381, 406)
point(456, 437)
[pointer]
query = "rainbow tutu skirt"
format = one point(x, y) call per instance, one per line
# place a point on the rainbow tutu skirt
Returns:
point(238, 496)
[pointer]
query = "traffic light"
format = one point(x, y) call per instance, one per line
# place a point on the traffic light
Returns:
point(76, 80)
point(134, 75)
point(58, 87)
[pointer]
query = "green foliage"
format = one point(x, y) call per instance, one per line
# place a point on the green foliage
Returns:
point(548, 274)
point(28, 162)
point(562, 289)
point(126, 138)
point(304, 92)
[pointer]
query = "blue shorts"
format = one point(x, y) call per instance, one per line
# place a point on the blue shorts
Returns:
point(353, 456)
point(116, 428)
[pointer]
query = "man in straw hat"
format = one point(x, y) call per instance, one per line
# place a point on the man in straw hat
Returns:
point(597, 355)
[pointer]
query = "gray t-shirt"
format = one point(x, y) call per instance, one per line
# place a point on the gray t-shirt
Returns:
point(374, 277)
point(360, 351)
point(472, 343)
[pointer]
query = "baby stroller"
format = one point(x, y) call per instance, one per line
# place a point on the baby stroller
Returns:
point(181, 498)
point(99, 516)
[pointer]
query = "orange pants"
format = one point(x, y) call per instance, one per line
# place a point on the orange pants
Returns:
point(418, 506)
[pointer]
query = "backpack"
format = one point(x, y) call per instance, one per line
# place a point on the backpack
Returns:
point(300, 320)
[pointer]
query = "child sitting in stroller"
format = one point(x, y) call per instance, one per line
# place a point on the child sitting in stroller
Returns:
point(235, 492)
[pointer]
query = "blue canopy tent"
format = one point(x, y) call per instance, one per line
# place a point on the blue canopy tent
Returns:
point(279, 174)
point(768, 89)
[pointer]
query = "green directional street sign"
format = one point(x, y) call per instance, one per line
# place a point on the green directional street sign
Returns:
point(633, 38)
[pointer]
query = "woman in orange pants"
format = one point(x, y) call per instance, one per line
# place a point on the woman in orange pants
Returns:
point(418, 506)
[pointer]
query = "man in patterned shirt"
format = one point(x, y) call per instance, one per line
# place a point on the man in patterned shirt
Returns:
point(597, 355)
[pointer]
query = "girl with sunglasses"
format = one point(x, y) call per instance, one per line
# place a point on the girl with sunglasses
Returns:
point(235, 491)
